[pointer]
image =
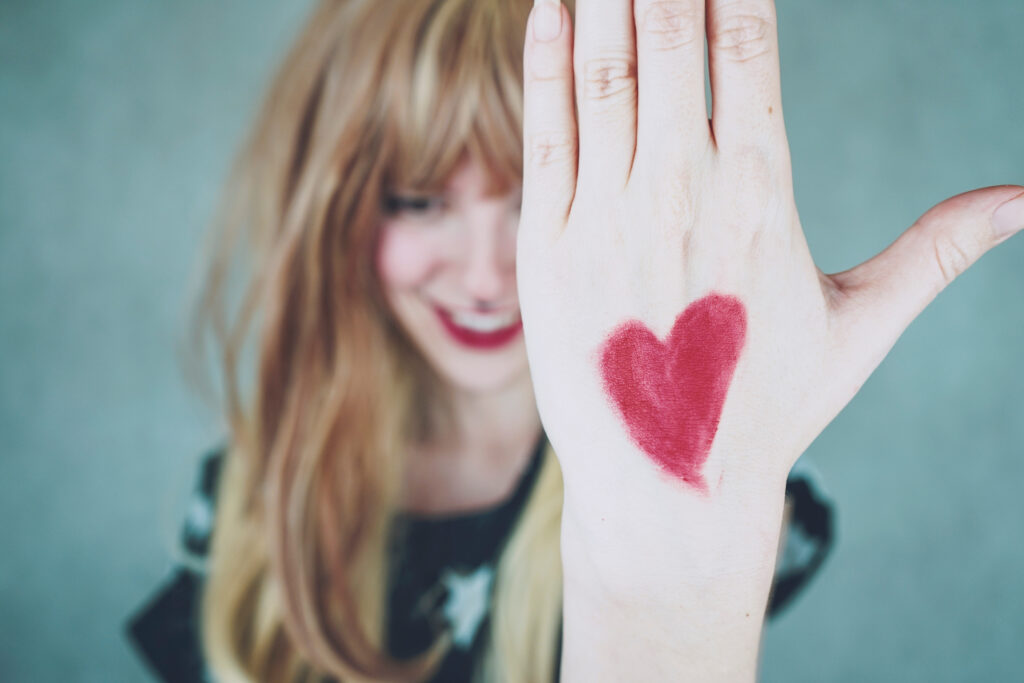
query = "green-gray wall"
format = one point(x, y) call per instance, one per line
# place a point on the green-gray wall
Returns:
point(117, 122)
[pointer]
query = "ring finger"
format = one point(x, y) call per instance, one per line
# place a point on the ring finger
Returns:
point(673, 114)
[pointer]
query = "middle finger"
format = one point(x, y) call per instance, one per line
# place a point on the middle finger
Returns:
point(673, 116)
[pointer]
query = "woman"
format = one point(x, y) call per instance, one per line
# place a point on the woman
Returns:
point(388, 507)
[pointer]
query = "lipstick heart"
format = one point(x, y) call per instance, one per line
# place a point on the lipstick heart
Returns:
point(670, 394)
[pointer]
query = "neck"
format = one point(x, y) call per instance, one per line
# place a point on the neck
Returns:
point(477, 462)
point(495, 424)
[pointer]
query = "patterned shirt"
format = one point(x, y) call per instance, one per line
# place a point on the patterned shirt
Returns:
point(441, 575)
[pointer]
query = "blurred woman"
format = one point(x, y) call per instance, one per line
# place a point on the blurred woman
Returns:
point(386, 506)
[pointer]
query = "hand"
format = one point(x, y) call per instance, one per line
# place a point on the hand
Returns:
point(684, 347)
point(641, 214)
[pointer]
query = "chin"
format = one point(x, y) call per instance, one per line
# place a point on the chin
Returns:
point(483, 376)
point(469, 370)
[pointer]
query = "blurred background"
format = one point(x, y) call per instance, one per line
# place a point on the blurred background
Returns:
point(118, 120)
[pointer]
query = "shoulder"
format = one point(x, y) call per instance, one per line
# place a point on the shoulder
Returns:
point(808, 537)
point(198, 525)
point(164, 629)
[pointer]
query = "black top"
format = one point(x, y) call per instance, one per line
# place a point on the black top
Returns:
point(441, 576)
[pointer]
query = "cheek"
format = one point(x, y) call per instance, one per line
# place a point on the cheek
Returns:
point(405, 259)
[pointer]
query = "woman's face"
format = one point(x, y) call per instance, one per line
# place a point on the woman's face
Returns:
point(447, 265)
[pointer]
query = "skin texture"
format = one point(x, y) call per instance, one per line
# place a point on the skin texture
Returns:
point(636, 205)
point(670, 394)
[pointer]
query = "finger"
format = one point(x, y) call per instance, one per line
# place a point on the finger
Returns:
point(605, 65)
point(672, 114)
point(549, 122)
point(743, 61)
point(881, 297)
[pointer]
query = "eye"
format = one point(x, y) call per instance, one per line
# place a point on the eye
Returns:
point(419, 207)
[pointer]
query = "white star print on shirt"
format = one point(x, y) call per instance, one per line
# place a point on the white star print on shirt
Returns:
point(468, 598)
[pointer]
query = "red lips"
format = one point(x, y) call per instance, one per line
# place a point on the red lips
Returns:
point(475, 339)
point(670, 394)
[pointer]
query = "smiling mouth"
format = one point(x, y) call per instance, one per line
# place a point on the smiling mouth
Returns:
point(481, 330)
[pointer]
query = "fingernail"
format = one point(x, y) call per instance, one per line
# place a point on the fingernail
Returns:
point(547, 20)
point(1009, 218)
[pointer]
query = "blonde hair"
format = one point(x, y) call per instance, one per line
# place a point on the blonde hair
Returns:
point(373, 94)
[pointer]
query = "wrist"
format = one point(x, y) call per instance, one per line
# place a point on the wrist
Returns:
point(638, 548)
point(691, 610)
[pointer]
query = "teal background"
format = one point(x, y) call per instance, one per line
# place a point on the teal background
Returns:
point(117, 123)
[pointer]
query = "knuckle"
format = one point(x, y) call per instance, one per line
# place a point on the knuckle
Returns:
point(753, 212)
point(679, 207)
point(753, 162)
point(671, 24)
point(674, 204)
point(753, 242)
point(952, 257)
point(743, 35)
point(755, 173)
point(609, 78)
point(551, 148)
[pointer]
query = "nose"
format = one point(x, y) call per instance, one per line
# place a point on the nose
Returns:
point(489, 255)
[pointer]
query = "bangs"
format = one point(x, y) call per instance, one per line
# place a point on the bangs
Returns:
point(453, 88)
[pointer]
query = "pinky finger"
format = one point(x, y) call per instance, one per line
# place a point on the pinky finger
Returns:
point(550, 140)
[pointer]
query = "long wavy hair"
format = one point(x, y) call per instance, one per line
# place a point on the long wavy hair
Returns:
point(321, 391)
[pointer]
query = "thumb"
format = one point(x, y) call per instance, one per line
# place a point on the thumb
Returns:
point(877, 300)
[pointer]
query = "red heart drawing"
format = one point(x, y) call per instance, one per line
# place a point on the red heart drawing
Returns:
point(670, 395)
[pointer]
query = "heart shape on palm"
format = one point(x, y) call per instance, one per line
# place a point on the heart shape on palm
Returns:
point(670, 395)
